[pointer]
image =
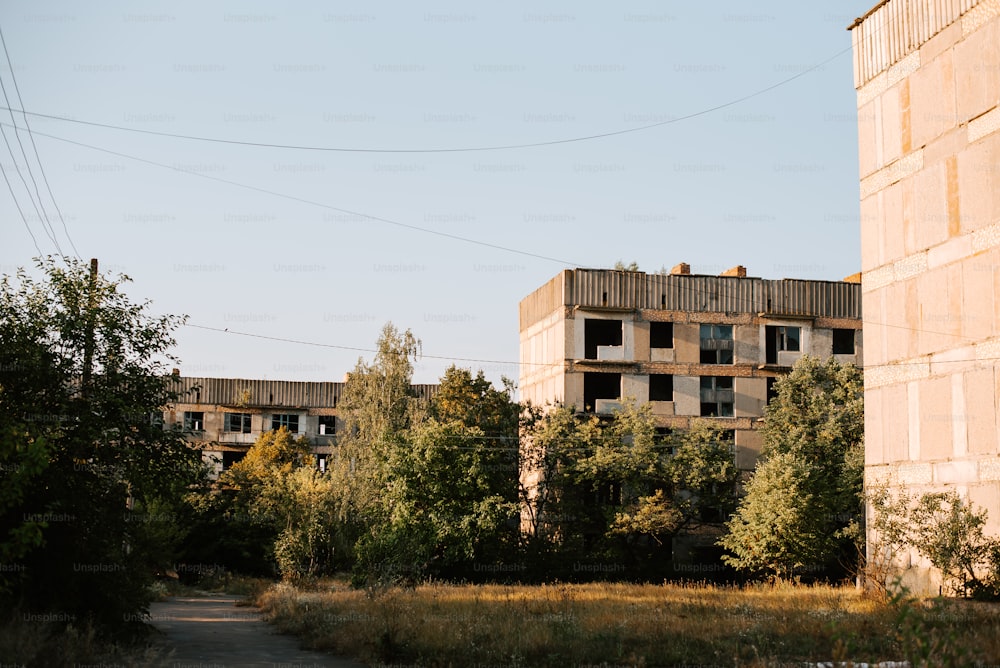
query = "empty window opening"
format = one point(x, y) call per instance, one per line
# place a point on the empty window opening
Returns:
point(661, 335)
point(780, 339)
point(600, 386)
point(600, 333)
point(843, 342)
point(230, 458)
point(194, 421)
point(772, 392)
point(663, 301)
point(327, 425)
point(716, 343)
point(289, 421)
point(238, 422)
point(716, 396)
point(661, 387)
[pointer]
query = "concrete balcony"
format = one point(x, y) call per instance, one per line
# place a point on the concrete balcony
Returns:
point(611, 353)
point(237, 438)
point(662, 355)
point(607, 406)
point(662, 408)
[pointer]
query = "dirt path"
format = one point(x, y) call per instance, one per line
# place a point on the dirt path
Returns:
point(211, 632)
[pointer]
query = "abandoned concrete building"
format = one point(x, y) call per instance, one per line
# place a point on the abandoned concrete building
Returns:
point(927, 76)
point(693, 346)
point(224, 416)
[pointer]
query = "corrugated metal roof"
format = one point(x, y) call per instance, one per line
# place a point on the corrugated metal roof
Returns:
point(597, 288)
point(893, 29)
point(257, 392)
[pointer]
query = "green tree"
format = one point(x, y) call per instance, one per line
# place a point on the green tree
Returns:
point(83, 377)
point(805, 512)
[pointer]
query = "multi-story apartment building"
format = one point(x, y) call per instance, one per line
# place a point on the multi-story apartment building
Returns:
point(692, 346)
point(224, 416)
point(927, 76)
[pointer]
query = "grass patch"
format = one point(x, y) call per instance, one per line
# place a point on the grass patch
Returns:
point(627, 624)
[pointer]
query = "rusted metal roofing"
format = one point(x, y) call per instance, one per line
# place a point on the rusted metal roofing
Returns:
point(893, 29)
point(628, 290)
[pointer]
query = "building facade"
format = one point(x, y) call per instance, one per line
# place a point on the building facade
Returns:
point(692, 346)
point(927, 76)
point(225, 416)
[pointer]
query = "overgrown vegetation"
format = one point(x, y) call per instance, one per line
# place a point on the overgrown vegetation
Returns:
point(626, 624)
point(89, 479)
point(802, 513)
point(941, 526)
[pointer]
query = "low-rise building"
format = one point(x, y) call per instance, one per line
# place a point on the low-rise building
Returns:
point(224, 416)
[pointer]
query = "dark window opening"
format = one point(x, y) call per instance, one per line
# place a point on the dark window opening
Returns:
point(772, 393)
point(194, 421)
point(600, 333)
point(661, 335)
point(238, 422)
point(230, 458)
point(661, 387)
point(287, 420)
point(663, 301)
point(327, 425)
point(716, 343)
point(843, 342)
point(600, 386)
point(778, 339)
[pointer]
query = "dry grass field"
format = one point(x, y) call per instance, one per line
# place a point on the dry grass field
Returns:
point(632, 625)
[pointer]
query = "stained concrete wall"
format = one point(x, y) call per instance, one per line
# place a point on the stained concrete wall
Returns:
point(929, 152)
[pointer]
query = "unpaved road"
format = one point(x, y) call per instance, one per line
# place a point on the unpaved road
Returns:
point(211, 632)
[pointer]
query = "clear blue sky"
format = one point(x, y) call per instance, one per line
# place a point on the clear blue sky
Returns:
point(770, 182)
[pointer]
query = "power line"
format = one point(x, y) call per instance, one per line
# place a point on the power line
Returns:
point(19, 210)
point(41, 218)
point(466, 149)
point(303, 200)
point(405, 225)
point(542, 364)
point(38, 158)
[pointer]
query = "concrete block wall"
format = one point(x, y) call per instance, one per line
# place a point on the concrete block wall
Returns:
point(929, 159)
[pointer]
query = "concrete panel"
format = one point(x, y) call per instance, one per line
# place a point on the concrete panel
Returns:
point(662, 354)
point(931, 205)
point(978, 176)
point(987, 495)
point(640, 335)
point(628, 338)
point(874, 428)
point(956, 472)
point(662, 408)
point(635, 387)
point(867, 119)
point(687, 342)
point(574, 390)
point(895, 432)
point(936, 417)
point(750, 396)
point(687, 395)
point(932, 98)
point(978, 300)
point(892, 125)
point(871, 215)
point(746, 344)
point(748, 447)
point(981, 411)
point(977, 76)
point(893, 224)
point(821, 343)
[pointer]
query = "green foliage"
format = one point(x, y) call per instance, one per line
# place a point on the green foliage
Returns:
point(631, 266)
point(614, 488)
point(83, 370)
point(942, 527)
point(802, 508)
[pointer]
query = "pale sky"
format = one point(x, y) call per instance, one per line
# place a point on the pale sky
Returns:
point(769, 182)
